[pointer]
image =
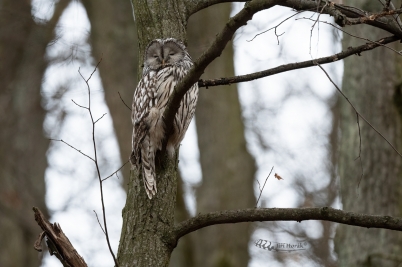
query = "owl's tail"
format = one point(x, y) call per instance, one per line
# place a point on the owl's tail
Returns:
point(148, 167)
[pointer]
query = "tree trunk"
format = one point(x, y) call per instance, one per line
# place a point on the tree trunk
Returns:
point(372, 84)
point(23, 146)
point(114, 39)
point(227, 167)
point(146, 223)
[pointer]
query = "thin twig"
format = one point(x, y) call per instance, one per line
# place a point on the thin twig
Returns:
point(96, 160)
point(275, 27)
point(124, 102)
point(315, 22)
point(360, 115)
point(360, 151)
point(396, 17)
point(256, 204)
point(61, 140)
point(116, 171)
point(358, 37)
point(100, 118)
point(259, 185)
point(78, 104)
point(99, 222)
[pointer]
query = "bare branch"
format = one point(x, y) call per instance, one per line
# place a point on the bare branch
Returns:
point(355, 36)
point(344, 15)
point(357, 113)
point(275, 27)
point(299, 65)
point(262, 189)
point(214, 51)
point(61, 140)
point(62, 249)
point(96, 160)
point(193, 6)
point(115, 172)
point(124, 102)
point(100, 118)
point(78, 104)
point(285, 214)
point(360, 150)
point(96, 214)
point(315, 22)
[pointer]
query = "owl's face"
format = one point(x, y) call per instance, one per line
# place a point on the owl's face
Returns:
point(162, 53)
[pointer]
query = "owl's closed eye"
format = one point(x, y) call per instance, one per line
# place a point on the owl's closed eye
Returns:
point(161, 54)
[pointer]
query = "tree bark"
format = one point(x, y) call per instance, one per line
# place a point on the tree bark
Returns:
point(23, 146)
point(145, 238)
point(114, 39)
point(227, 167)
point(372, 84)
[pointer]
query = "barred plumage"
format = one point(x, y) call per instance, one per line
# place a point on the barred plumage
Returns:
point(166, 62)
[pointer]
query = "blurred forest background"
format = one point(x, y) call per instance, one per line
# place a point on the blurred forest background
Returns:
point(294, 122)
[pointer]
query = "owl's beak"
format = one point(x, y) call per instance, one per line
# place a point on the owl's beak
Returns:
point(163, 62)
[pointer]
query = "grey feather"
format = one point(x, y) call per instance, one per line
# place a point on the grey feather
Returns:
point(166, 62)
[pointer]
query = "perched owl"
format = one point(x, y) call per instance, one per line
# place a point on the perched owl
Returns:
point(166, 62)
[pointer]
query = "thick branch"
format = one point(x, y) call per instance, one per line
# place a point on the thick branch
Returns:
point(208, 56)
point(193, 6)
point(290, 214)
point(60, 245)
point(299, 65)
point(344, 15)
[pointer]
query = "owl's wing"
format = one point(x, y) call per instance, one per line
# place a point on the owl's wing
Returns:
point(144, 100)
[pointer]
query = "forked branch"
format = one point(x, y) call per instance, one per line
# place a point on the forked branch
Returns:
point(207, 57)
point(58, 243)
point(95, 159)
point(104, 229)
point(299, 65)
point(344, 15)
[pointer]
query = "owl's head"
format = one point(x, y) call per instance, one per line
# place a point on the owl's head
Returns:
point(161, 53)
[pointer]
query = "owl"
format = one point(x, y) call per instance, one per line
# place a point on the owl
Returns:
point(166, 62)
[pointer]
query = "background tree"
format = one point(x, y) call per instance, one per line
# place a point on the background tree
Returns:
point(371, 183)
point(148, 226)
point(23, 146)
point(119, 54)
point(154, 245)
point(227, 167)
point(114, 39)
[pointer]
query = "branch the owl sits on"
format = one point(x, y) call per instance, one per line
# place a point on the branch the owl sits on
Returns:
point(166, 62)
